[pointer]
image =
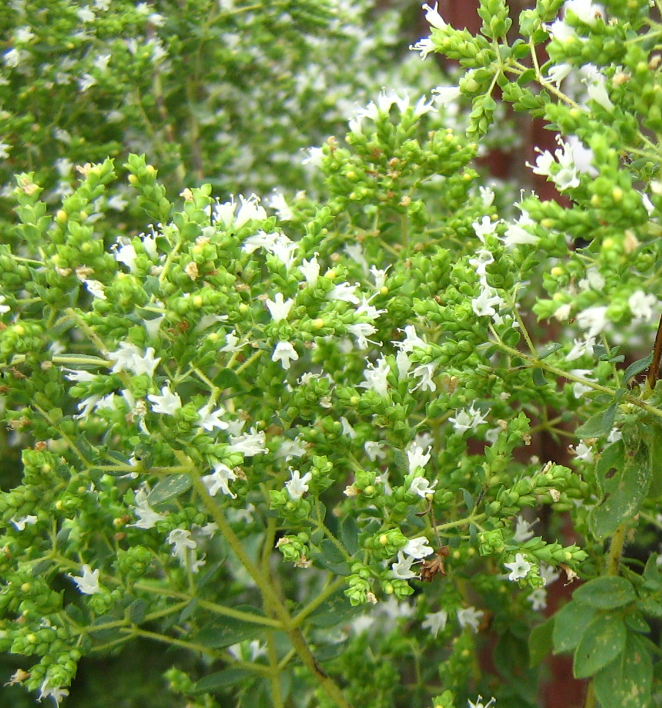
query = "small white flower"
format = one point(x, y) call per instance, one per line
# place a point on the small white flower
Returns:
point(425, 372)
point(4, 308)
point(578, 388)
point(129, 358)
point(23, 35)
point(538, 599)
point(469, 617)
point(424, 46)
point(484, 304)
point(362, 330)
point(416, 457)
point(146, 515)
point(580, 347)
point(468, 420)
point(88, 582)
point(248, 444)
point(345, 293)
point(443, 95)
point(375, 450)
point(375, 377)
point(433, 17)
point(96, 287)
point(402, 568)
point(585, 10)
point(614, 435)
point(519, 568)
point(285, 353)
point(24, 521)
point(642, 305)
point(297, 486)
point(219, 479)
point(418, 548)
point(167, 403)
point(523, 530)
point(435, 622)
point(55, 692)
point(548, 574)
point(231, 345)
point(310, 270)
point(593, 319)
point(582, 452)
point(211, 419)
point(278, 308)
point(479, 703)
point(558, 73)
point(411, 340)
point(422, 487)
point(560, 31)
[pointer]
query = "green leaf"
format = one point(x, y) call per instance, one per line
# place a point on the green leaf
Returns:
point(624, 493)
point(349, 534)
point(227, 378)
point(650, 607)
point(334, 610)
point(540, 642)
point(611, 460)
point(220, 679)
point(594, 427)
point(168, 488)
point(549, 349)
point(539, 378)
point(137, 610)
point(655, 462)
point(602, 641)
point(626, 682)
point(228, 631)
point(569, 625)
point(605, 593)
point(652, 577)
point(636, 368)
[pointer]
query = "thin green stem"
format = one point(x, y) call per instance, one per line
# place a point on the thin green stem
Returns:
point(314, 604)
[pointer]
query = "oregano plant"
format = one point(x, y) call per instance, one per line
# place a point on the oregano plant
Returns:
point(293, 444)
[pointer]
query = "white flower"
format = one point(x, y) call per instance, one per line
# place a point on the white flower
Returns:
point(641, 305)
point(593, 319)
point(538, 599)
point(347, 428)
point(418, 548)
point(167, 403)
point(479, 703)
point(411, 340)
point(484, 227)
point(548, 574)
point(289, 449)
point(279, 204)
point(211, 419)
point(249, 209)
point(96, 288)
point(85, 14)
point(582, 452)
point(55, 692)
point(558, 73)
point(481, 261)
point(523, 530)
point(297, 486)
point(446, 94)
point(403, 364)
point(183, 548)
point(231, 345)
point(88, 582)
point(285, 353)
point(484, 304)
point(375, 377)
point(585, 10)
point(416, 457)
point(614, 435)
point(469, 617)
point(379, 276)
point(375, 450)
point(344, 292)
point(433, 17)
point(248, 444)
point(425, 372)
point(517, 234)
point(85, 82)
point(125, 252)
point(402, 568)
point(578, 388)
point(580, 348)
point(519, 568)
point(421, 486)
point(283, 248)
point(424, 46)
point(468, 420)
point(129, 358)
point(362, 330)
point(23, 35)
point(596, 86)
point(147, 516)
point(278, 308)
point(310, 270)
point(24, 521)
point(219, 479)
point(560, 31)
point(435, 622)
point(259, 240)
